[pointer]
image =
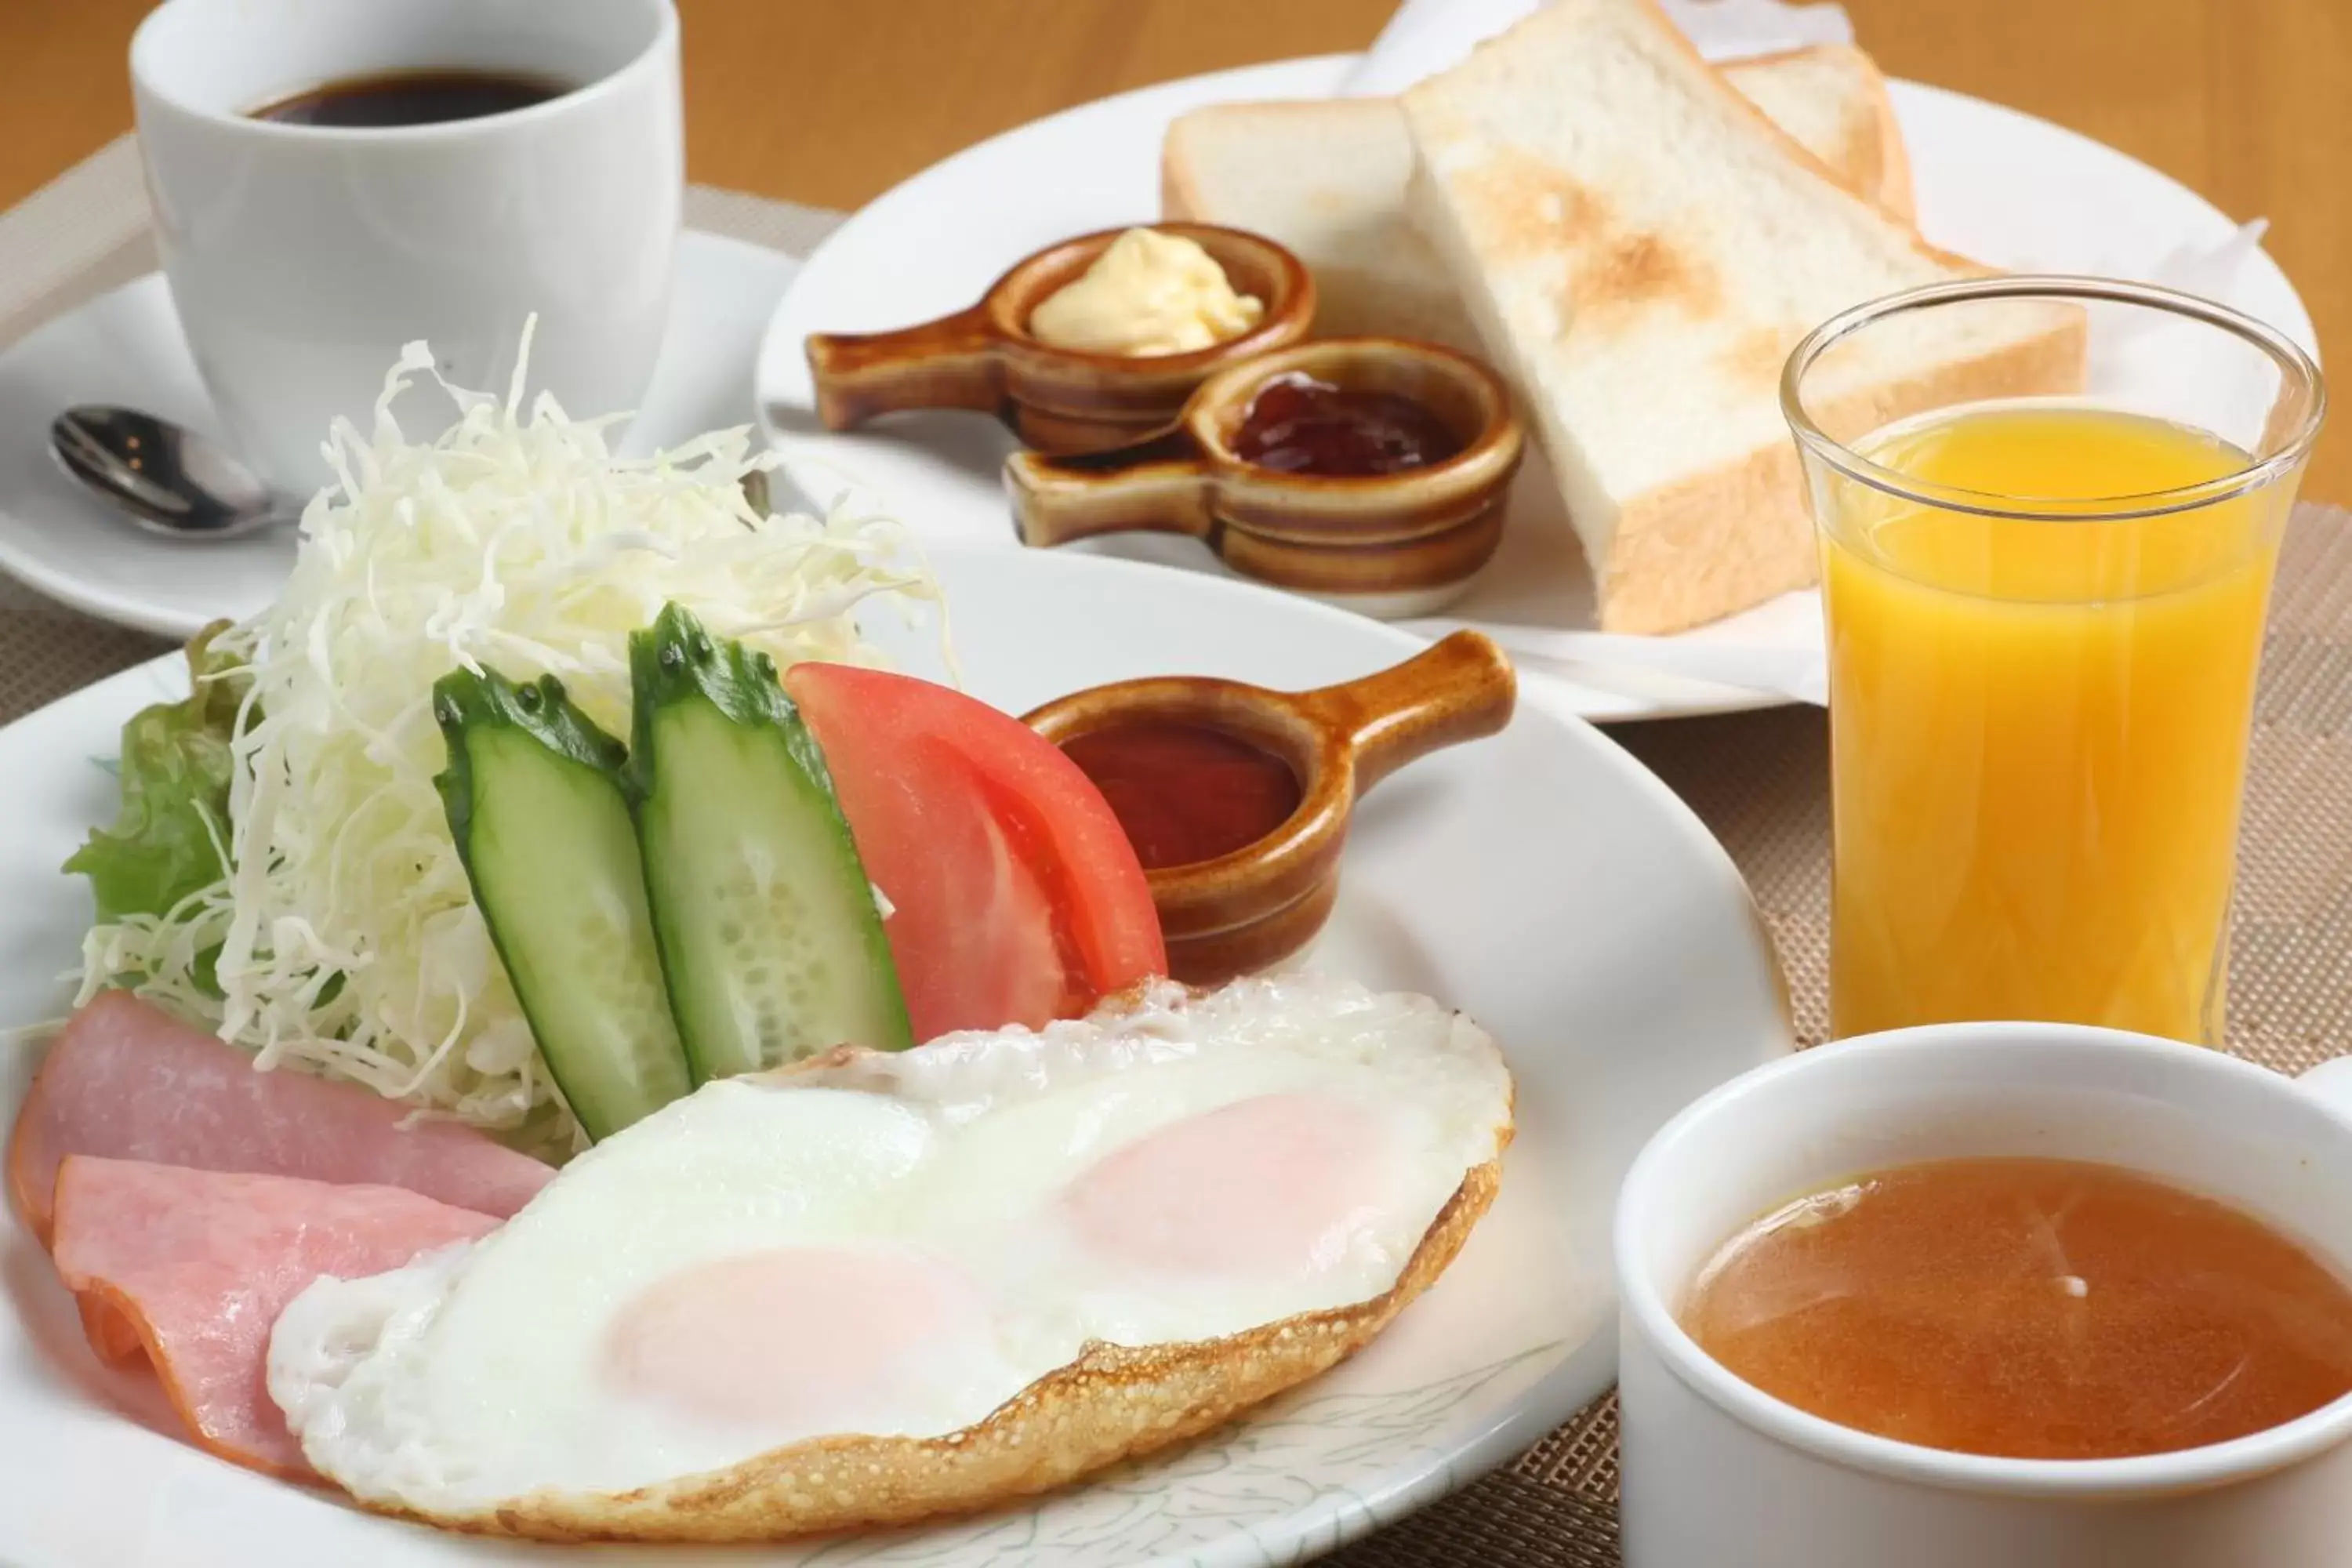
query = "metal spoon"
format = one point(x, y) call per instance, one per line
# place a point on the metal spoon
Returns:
point(168, 479)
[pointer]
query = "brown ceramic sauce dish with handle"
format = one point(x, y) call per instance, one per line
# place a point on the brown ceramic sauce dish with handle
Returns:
point(1254, 906)
point(1386, 544)
point(1056, 400)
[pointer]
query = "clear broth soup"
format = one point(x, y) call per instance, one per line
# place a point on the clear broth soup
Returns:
point(2031, 1309)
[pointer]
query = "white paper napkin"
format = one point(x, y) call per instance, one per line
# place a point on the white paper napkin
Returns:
point(1427, 36)
point(1792, 674)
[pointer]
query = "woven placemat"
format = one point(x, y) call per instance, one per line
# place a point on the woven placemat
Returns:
point(1759, 780)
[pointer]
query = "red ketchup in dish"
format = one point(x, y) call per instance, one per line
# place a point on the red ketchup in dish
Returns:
point(1299, 425)
point(1185, 792)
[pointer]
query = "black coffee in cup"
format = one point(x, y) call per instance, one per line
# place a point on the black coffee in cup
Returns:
point(412, 98)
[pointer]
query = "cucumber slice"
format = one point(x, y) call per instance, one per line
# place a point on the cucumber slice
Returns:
point(535, 801)
point(761, 910)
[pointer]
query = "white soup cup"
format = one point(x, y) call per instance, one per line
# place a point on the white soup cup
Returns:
point(1719, 1473)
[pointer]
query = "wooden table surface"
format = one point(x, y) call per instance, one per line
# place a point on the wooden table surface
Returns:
point(832, 101)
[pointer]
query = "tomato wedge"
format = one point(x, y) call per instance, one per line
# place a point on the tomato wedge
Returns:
point(1014, 896)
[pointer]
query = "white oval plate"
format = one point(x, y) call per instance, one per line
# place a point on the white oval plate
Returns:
point(1542, 881)
point(125, 346)
point(2001, 186)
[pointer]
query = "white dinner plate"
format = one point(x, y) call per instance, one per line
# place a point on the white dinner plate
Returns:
point(1542, 881)
point(2004, 187)
point(126, 347)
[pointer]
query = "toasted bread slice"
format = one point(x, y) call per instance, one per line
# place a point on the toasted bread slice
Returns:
point(1327, 178)
point(1641, 247)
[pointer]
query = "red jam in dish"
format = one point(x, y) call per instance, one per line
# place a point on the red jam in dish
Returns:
point(1185, 792)
point(1299, 425)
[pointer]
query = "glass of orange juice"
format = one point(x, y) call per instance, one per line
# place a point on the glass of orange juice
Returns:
point(2044, 575)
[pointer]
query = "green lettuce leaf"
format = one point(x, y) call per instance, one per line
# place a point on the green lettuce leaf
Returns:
point(165, 843)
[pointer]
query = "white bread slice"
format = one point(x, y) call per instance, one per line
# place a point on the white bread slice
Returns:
point(1831, 100)
point(1327, 178)
point(1323, 177)
point(1641, 249)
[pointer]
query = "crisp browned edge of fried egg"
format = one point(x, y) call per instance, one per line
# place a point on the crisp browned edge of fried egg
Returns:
point(1112, 1403)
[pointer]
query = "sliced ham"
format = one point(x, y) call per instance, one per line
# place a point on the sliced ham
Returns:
point(192, 1267)
point(129, 1082)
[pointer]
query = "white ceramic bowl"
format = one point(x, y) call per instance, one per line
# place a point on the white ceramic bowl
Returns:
point(1716, 1471)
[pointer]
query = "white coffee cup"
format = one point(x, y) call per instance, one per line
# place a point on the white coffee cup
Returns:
point(303, 258)
point(1718, 1472)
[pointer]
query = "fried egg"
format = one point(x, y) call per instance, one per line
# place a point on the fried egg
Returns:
point(878, 1285)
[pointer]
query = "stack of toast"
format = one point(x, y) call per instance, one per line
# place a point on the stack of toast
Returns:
point(1637, 239)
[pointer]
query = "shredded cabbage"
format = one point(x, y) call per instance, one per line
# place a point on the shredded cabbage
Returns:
point(343, 937)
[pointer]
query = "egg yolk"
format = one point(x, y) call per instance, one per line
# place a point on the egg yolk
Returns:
point(765, 1337)
point(1277, 1184)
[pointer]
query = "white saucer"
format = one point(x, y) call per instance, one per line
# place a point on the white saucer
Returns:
point(126, 347)
point(2004, 187)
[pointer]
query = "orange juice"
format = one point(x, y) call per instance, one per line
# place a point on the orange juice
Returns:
point(2038, 725)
